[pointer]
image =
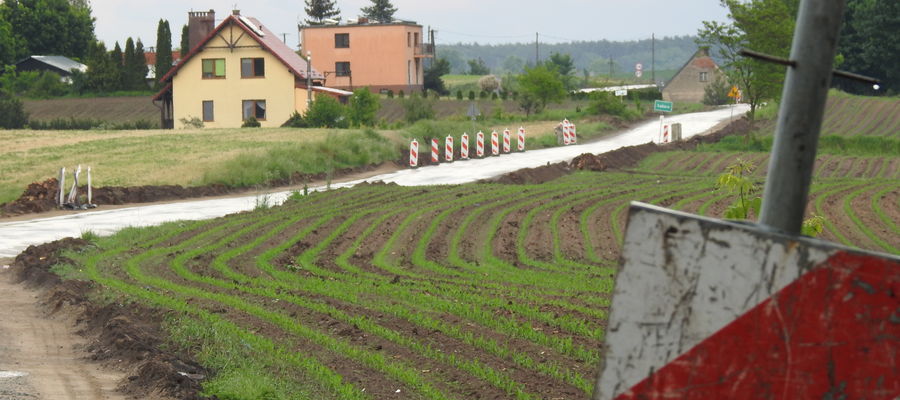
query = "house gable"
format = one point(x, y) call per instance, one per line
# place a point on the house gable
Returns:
point(689, 83)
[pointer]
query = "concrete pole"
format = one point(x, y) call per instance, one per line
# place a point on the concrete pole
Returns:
point(800, 117)
point(308, 80)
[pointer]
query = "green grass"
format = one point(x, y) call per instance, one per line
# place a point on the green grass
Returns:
point(832, 144)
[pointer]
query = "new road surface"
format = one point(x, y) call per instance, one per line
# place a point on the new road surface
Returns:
point(16, 236)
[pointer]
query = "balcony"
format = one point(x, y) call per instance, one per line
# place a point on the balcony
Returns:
point(424, 50)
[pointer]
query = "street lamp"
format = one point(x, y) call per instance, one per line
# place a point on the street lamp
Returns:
point(308, 80)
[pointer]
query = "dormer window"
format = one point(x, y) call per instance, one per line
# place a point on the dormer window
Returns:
point(704, 76)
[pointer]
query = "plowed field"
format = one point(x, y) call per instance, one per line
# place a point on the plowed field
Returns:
point(471, 291)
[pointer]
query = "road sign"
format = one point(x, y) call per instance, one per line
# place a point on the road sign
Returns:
point(733, 92)
point(711, 309)
point(622, 92)
point(638, 73)
point(638, 67)
point(663, 106)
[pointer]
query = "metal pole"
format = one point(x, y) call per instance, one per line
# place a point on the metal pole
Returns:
point(308, 80)
point(800, 117)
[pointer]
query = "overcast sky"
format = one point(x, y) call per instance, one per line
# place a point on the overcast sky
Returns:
point(481, 21)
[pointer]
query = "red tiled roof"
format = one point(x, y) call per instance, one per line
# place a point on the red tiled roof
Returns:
point(268, 41)
point(704, 62)
point(150, 57)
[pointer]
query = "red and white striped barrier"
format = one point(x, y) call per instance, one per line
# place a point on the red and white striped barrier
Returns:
point(495, 143)
point(434, 151)
point(565, 129)
point(665, 134)
point(573, 137)
point(464, 146)
point(506, 141)
point(520, 143)
point(479, 149)
point(754, 314)
point(414, 154)
point(448, 149)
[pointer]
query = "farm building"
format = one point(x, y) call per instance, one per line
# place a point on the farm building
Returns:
point(63, 66)
point(238, 70)
point(690, 81)
point(382, 56)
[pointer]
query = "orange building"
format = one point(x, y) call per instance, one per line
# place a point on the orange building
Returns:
point(381, 56)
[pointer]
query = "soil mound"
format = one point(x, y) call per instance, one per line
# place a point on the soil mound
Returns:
point(128, 337)
point(623, 158)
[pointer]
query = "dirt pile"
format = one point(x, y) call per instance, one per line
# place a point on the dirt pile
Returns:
point(623, 158)
point(127, 337)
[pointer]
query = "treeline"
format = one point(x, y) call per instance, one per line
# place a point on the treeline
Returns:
point(593, 56)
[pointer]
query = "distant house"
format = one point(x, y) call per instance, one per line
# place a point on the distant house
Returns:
point(238, 70)
point(382, 56)
point(690, 81)
point(62, 66)
point(150, 60)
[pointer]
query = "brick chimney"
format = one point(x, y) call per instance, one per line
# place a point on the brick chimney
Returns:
point(200, 25)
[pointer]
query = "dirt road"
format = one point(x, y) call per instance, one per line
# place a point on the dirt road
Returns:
point(39, 354)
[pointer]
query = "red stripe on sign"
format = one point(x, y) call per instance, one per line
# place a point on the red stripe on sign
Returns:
point(834, 333)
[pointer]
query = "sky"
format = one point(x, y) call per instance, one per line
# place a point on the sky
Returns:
point(466, 21)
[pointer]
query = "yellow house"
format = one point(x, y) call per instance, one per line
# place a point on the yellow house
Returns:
point(239, 70)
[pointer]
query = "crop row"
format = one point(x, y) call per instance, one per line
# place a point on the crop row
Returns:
point(382, 291)
point(714, 163)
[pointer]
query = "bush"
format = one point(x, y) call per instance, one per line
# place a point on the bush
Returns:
point(12, 113)
point(459, 95)
point(716, 93)
point(363, 106)
point(417, 108)
point(471, 95)
point(193, 122)
point(250, 122)
point(72, 124)
point(400, 94)
point(326, 112)
point(489, 83)
point(607, 103)
point(390, 94)
point(482, 95)
point(295, 121)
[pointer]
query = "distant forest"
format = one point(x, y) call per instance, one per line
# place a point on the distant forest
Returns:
point(593, 56)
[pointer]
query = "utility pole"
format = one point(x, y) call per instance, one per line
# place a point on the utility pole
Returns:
point(800, 117)
point(653, 57)
point(611, 64)
point(537, 52)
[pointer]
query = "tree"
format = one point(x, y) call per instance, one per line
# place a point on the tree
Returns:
point(540, 85)
point(134, 70)
point(185, 40)
point(116, 57)
point(869, 45)
point(565, 66)
point(477, 67)
point(489, 83)
point(363, 106)
point(10, 47)
point(163, 50)
point(51, 27)
point(765, 26)
point(380, 10)
point(433, 74)
point(320, 10)
point(513, 64)
point(102, 74)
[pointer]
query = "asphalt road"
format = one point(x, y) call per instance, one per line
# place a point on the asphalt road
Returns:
point(16, 236)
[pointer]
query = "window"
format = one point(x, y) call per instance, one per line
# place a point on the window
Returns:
point(341, 40)
point(408, 39)
point(704, 76)
point(208, 111)
point(214, 68)
point(255, 108)
point(342, 68)
point(253, 67)
point(416, 38)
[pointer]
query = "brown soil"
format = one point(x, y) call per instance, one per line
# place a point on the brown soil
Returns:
point(619, 159)
point(41, 197)
point(125, 339)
